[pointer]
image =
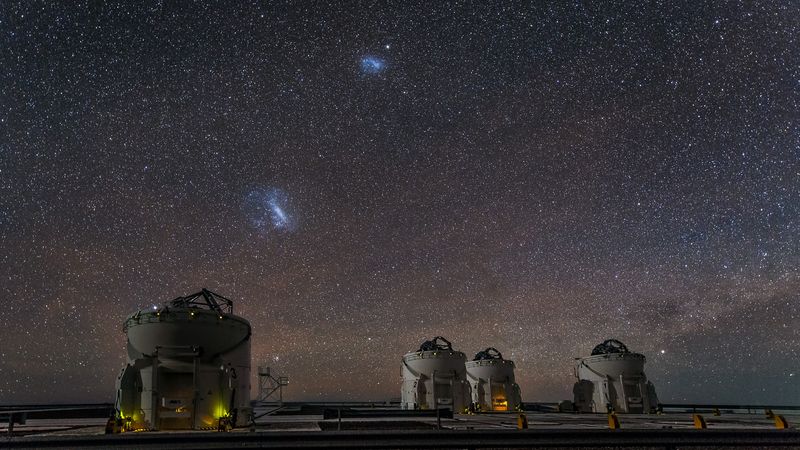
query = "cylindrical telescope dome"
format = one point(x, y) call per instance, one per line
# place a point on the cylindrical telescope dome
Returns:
point(491, 379)
point(611, 358)
point(435, 377)
point(612, 379)
point(167, 329)
point(188, 365)
point(612, 365)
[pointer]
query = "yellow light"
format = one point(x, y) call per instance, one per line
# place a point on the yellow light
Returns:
point(500, 404)
point(220, 411)
point(208, 421)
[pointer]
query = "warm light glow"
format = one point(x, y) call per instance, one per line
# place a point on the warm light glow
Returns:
point(208, 421)
point(220, 411)
point(500, 404)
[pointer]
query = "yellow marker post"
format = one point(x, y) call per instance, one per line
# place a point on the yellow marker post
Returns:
point(699, 422)
point(781, 423)
point(613, 421)
point(522, 422)
point(717, 412)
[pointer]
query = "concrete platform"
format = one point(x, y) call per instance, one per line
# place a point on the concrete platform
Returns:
point(373, 428)
point(632, 439)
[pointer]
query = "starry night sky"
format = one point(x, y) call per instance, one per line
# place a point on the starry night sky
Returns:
point(360, 177)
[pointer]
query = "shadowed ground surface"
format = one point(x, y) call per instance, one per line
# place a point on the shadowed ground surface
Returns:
point(379, 429)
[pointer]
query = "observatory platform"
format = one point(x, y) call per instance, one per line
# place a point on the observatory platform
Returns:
point(187, 385)
point(362, 425)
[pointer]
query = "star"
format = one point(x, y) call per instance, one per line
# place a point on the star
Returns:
point(337, 170)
